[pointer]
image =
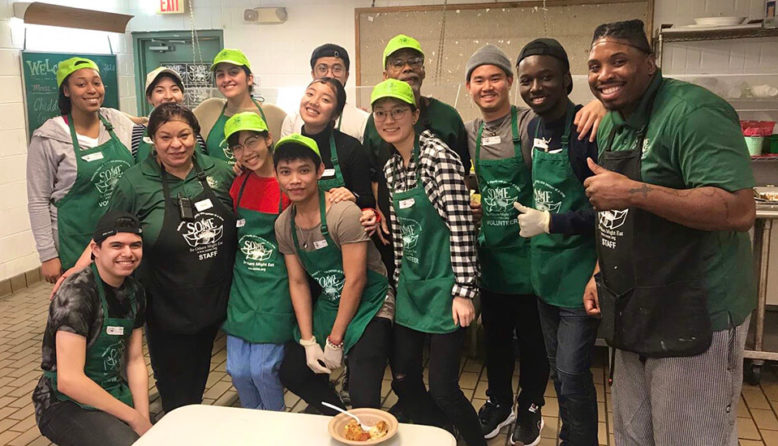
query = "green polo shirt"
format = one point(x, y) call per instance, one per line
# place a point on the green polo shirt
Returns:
point(694, 140)
point(139, 190)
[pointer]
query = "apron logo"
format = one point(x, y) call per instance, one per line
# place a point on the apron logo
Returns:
point(255, 248)
point(612, 219)
point(204, 235)
point(411, 230)
point(609, 223)
point(227, 152)
point(331, 282)
point(497, 200)
point(547, 197)
point(105, 178)
point(212, 182)
point(257, 251)
point(112, 356)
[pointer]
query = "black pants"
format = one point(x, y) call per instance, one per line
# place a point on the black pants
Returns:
point(66, 423)
point(502, 315)
point(181, 364)
point(366, 364)
point(445, 403)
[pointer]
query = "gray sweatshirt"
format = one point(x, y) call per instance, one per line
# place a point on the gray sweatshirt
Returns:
point(51, 172)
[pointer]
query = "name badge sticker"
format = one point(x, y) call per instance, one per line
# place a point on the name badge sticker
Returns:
point(93, 157)
point(491, 140)
point(115, 331)
point(240, 223)
point(203, 205)
point(319, 244)
point(328, 173)
point(540, 143)
point(405, 204)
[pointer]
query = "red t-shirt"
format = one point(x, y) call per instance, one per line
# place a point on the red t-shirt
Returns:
point(260, 194)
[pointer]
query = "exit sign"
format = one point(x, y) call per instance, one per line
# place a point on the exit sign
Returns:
point(171, 6)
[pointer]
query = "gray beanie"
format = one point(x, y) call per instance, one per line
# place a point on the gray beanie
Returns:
point(488, 55)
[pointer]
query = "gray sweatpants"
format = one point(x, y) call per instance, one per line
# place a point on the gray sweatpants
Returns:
point(680, 401)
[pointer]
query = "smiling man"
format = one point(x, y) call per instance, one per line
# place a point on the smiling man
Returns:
point(508, 302)
point(560, 222)
point(94, 388)
point(676, 288)
point(353, 314)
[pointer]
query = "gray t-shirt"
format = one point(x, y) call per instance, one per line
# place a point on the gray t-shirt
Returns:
point(344, 227)
point(501, 127)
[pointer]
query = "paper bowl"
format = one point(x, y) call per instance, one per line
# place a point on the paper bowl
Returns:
point(369, 417)
point(718, 21)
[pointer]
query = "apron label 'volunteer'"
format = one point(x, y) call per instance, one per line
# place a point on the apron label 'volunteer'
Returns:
point(498, 200)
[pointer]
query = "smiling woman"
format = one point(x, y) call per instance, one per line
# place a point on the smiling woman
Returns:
point(73, 163)
point(181, 198)
point(234, 79)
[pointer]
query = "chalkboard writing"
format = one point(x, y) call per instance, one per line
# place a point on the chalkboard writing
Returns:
point(40, 81)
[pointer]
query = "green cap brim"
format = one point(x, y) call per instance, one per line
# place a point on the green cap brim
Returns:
point(393, 88)
point(69, 66)
point(299, 140)
point(249, 121)
point(399, 42)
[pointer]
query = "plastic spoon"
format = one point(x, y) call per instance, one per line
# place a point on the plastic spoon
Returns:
point(361, 424)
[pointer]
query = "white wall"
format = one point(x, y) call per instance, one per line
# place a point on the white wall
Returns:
point(280, 57)
point(17, 247)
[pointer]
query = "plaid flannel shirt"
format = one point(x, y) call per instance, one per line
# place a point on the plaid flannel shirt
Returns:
point(442, 176)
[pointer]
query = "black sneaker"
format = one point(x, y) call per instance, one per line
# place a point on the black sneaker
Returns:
point(494, 417)
point(529, 423)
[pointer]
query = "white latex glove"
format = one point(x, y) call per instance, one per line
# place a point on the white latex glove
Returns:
point(333, 355)
point(532, 221)
point(314, 356)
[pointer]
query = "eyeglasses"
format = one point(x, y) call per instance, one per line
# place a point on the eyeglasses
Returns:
point(322, 69)
point(250, 144)
point(396, 113)
point(413, 62)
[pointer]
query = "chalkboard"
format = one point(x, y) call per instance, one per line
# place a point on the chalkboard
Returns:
point(40, 84)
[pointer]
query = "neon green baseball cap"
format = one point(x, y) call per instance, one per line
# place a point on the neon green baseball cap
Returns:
point(235, 57)
point(392, 88)
point(399, 42)
point(300, 140)
point(66, 67)
point(244, 121)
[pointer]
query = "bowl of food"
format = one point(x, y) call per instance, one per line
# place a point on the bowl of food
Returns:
point(382, 426)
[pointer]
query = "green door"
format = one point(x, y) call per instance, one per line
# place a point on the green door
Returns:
point(174, 49)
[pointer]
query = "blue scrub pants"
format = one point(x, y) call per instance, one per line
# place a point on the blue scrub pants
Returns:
point(254, 372)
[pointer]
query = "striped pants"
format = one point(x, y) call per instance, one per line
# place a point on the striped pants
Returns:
point(684, 401)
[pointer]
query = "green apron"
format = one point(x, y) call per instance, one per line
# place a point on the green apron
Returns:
point(337, 179)
point(215, 143)
point(503, 254)
point(104, 358)
point(97, 171)
point(561, 264)
point(259, 309)
point(325, 265)
point(424, 299)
